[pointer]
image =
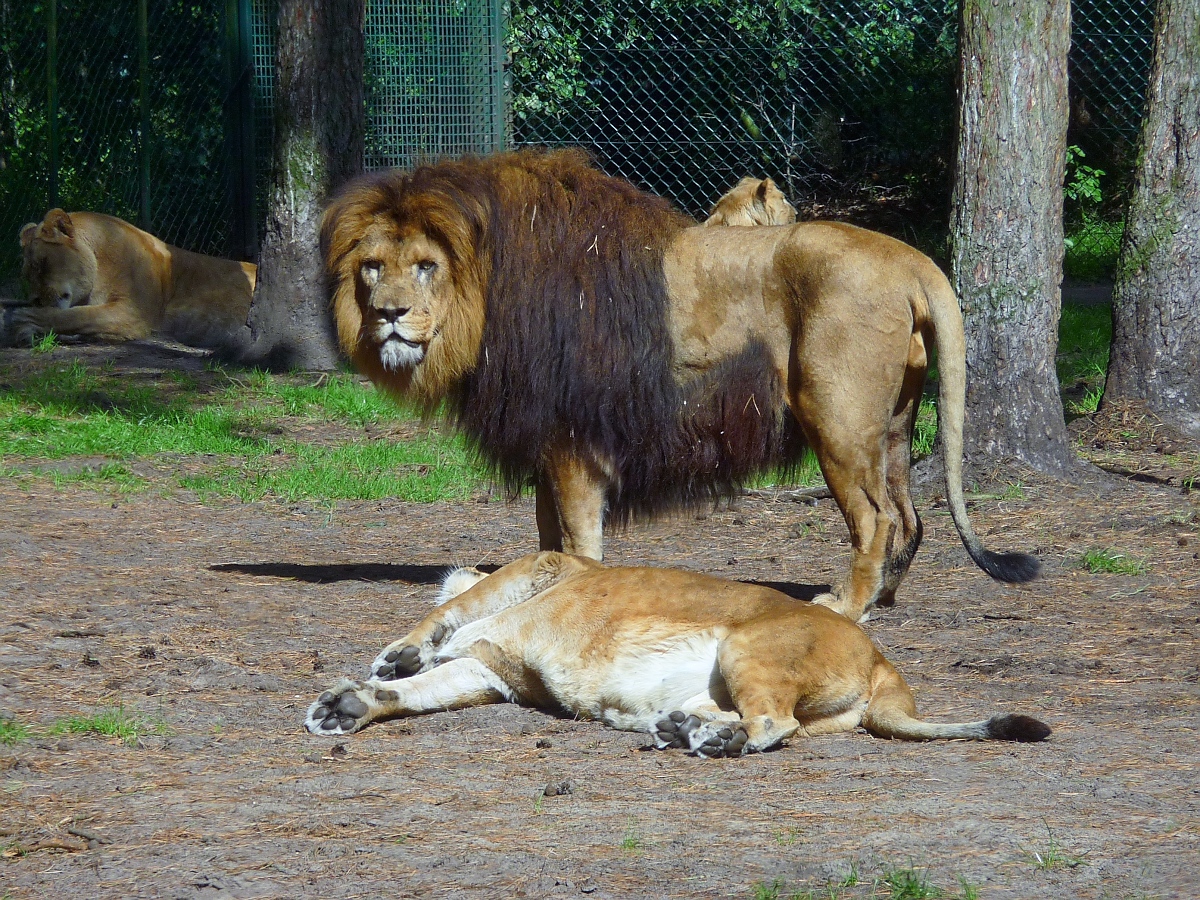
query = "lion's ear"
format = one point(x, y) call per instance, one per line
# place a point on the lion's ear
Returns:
point(27, 234)
point(58, 223)
point(760, 193)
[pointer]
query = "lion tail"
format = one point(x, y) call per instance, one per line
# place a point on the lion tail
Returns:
point(891, 713)
point(952, 368)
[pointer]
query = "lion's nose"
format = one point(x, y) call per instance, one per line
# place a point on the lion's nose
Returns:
point(392, 313)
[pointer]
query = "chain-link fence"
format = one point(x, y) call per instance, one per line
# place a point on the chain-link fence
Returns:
point(115, 106)
point(686, 96)
point(835, 99)
point(1111, 43)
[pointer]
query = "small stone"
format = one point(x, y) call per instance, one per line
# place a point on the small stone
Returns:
point(543, 744)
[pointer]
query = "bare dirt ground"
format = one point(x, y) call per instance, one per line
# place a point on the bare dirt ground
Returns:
point(220, 622)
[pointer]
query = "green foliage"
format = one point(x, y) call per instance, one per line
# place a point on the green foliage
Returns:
point(99, 118)
point(1092, 243)
point(1082, 184)
point(1112, 562)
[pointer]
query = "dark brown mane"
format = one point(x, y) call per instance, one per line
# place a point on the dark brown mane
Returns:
point(576, 346)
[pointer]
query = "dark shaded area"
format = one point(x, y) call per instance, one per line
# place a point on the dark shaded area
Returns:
point(317, 574)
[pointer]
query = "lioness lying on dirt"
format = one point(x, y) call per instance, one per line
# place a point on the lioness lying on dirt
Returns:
point(719, 668)
point(98, 277)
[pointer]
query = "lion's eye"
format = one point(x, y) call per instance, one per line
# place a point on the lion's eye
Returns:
point(371, 270)
point(426, 267)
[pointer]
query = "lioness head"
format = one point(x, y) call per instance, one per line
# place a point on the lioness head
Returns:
point(752, 201)
point(407, 296)
point(59, 269)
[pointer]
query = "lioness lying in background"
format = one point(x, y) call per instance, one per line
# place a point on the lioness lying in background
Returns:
point(98, 277)
point(719, 668)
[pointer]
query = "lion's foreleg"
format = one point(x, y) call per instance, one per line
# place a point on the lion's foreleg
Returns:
point(116, 320)
point(570, 504)
point(507, 587)
point(350, 705)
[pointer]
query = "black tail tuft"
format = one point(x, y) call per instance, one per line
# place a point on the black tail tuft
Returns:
point(1008, 567)
point(1025, 729)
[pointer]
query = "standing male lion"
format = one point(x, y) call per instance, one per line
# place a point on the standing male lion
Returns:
point(586, 335)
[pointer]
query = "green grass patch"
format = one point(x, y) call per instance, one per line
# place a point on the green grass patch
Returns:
point(113, 723)
point(227, 431)
point(1054, 855)
point(12, 732)
point(1111, 562)
point(46, 343)
point(1084, 335)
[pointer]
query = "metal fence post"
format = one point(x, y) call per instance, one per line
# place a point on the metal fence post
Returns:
point(143, 26)
point(52, 96)
point(239, 128)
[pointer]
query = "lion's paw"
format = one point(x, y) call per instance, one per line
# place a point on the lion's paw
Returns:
point(716, 739)
point(707, 739)
point(397, 663)
point(343, 709)
point(674, 730)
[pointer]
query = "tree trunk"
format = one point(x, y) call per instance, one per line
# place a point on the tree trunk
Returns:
point(1006, 227)
point(1156, 299)
point(319, 135)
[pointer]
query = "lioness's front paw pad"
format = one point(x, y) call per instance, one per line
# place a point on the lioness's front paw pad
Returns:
point(714, 739)
point(397, 664)
point(342, 710)
point(674, 730)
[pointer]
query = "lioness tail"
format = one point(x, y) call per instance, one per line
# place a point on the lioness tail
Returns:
point(952, 393)
point(891, 713)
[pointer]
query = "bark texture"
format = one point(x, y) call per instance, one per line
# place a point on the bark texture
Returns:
point(1156, 299)
point(319, 134)
point(1006, 226)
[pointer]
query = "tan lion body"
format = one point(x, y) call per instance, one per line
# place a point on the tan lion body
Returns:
point(822, 323)
point(101, 278)
point(718, 667)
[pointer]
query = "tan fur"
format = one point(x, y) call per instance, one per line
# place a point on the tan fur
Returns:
point(752, 201)
point(848, 318)
point(99, 277)
point(631, 646)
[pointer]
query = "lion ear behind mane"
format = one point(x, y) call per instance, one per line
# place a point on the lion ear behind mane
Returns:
point(576, 346)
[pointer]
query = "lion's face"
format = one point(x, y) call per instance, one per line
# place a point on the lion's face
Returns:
point(60, 271)
point(408, 311)
point(403, 288)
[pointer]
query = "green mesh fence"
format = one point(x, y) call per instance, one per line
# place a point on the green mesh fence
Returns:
point(1111, 44)
point(686, 96)
point(832, 98)
point(139, 131)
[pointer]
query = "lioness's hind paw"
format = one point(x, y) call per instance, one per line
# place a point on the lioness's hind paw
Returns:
point(397, 664)
point(714, 739)
point(342, 710)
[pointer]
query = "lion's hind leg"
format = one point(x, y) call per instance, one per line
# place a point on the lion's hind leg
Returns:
point(468, 595)
point(350, 705)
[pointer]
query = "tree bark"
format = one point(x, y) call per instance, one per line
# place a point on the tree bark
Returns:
point(1006, 226)
point(1155, 355)
point(319, 144)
